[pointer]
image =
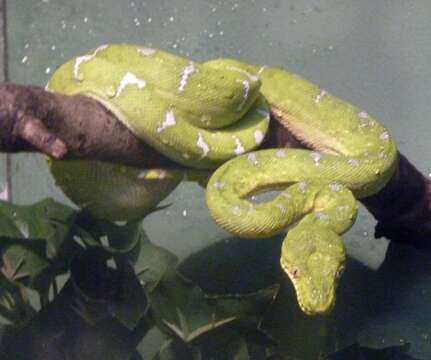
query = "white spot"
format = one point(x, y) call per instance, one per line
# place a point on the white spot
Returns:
point(201, 144)
point(335, 187)
point(286, 195)
point(320, 96)
point(162, 174)
point(129, 79)
point(184, 212)
point(281, 208)
point(188, 70)
point(263, 112)
point(321, 216)
point(239, 148)
point(343, 207)
point(82, 59)
point(206, 119)
point(236, 210)
point(366, 123)
point(168, 122)
point(384, 135)
point(146, 51)
point(353, 162)
point(246, 87)
point(316, 156)
point(171, 19)
point(363, 115)
point(142, 175)
point(258, 136)
point(252, 77)
point(302, 186)
point(261, 70)
point(218, 185)
point(252, 157)
point(280, 153)
point(47, 70)
point(24, 59)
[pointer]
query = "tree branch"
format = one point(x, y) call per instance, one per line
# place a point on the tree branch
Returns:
point(68, 127)
point(78, 127)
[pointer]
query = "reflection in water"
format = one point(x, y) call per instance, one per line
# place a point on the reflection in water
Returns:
point(106, 308)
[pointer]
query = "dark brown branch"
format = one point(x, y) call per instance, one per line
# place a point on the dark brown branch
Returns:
point(78, 127)
point(68, 127)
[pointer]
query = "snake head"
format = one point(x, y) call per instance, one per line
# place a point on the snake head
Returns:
point(314, 261)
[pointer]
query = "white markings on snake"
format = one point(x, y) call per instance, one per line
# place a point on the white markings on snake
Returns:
point(263, 112)
point(188, 70)
point(252, 77)
point(146, 51)
point(280, 153)
point(206, 119)
point(258, 136)
point(316, 156)
point(236, 210)
point(201, 144)
point(239, 147)
point(218, 185)
point(335, 187)
point(85, 58)
point(261, 70)
point(142, 175)
point(353, 162)
point(246, 87)
point(168, 122)
point(302, 186)
point(320, 96)
point(252, 157)
point(384, 135)
point(129, 79)
point(321, 216)
point(363, 115)
point(281, 208)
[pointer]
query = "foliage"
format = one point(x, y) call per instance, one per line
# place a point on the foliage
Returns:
point(117, 286)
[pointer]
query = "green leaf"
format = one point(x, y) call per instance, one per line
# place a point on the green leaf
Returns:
point(182, 309)
point(13, 308)
point(117, 290)
point(154, 263)
point(115, 239)
point(173, 349)
point(35, 240)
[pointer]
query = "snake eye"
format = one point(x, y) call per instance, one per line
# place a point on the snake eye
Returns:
point(339, 272)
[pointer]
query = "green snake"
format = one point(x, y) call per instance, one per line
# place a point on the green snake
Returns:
point(214, 115)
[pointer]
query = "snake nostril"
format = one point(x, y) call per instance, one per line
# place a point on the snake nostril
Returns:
point(296, 272)
point(339, 272)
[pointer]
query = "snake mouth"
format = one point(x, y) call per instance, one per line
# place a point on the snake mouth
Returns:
point(292, 274)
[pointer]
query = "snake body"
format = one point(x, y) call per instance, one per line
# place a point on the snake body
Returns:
point(214, 115)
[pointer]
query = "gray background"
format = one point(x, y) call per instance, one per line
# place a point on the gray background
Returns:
point(374, 53)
